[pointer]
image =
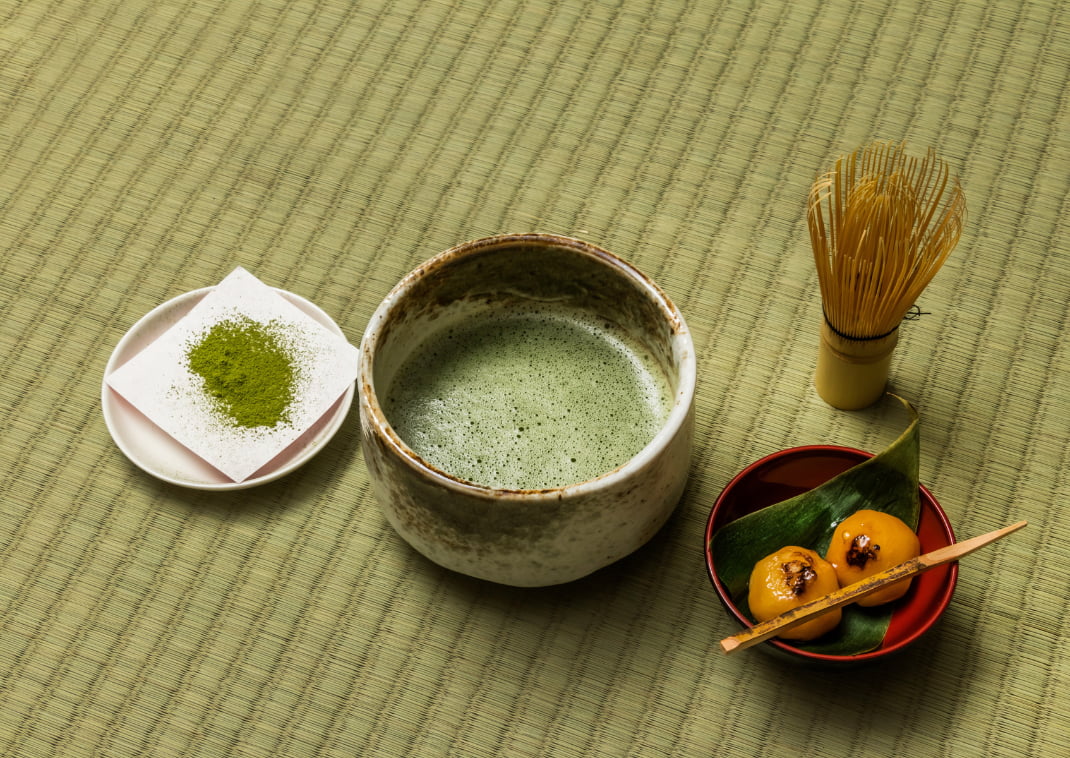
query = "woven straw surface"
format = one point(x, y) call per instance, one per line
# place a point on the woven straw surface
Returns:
point(149, 146)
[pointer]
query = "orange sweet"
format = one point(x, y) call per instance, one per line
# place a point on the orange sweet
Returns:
point(868, 542)
point(788, 578)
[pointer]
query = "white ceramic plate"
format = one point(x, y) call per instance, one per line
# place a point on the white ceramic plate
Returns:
point(158, 453)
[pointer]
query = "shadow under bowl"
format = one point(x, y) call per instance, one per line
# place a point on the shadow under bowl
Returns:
point(787, 473)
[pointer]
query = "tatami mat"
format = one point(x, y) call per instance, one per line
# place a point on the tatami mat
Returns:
point(147, 148)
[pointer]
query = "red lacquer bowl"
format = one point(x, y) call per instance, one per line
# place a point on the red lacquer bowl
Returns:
point(796, 470)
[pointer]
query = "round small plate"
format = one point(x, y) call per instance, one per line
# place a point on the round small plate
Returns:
point(791, 472)
point(153, 450)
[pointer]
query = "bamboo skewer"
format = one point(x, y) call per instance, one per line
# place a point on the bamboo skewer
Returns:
point(852, 592)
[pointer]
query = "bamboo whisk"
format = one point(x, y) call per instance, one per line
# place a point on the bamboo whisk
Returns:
point(891, 222)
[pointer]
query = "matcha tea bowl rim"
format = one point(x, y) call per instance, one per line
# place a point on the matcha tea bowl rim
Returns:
point(525, 533)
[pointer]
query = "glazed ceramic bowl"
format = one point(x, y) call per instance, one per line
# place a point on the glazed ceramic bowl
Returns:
point(525, 537)
point(791, 472)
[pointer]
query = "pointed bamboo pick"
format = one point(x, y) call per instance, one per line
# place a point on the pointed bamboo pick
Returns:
point(852, 592)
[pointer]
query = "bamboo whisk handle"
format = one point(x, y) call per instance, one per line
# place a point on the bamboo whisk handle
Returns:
point(852, 373)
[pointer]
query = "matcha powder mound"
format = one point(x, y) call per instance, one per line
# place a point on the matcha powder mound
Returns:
point(247, 371)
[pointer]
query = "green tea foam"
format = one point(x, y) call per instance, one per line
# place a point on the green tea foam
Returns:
point(528, 400)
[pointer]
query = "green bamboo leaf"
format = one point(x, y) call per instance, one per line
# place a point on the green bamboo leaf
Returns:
point(886, 482)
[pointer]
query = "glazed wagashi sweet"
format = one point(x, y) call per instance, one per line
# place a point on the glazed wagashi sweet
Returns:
point(868, 542)
point(788, 578)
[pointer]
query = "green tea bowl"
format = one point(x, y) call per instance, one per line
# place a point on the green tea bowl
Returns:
point(526, 408)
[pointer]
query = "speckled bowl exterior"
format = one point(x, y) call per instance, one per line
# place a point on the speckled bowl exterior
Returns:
point(526, 538)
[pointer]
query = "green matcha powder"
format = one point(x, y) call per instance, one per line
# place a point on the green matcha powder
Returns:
point(247, 371)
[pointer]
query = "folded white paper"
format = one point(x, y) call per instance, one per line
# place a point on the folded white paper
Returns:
point(160, 383)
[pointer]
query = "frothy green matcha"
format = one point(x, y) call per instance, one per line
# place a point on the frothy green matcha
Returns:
point(528, 401)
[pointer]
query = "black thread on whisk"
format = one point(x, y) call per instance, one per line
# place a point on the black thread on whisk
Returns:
point(913, 314)
point(852, 337)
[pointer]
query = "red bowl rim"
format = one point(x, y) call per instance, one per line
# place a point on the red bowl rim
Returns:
point(927, 499)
